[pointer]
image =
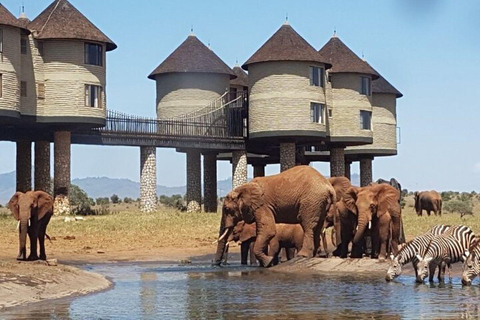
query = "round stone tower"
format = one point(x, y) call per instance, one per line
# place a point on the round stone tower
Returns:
point(69, 59)
point(349, 97)
point(190, 78)
point(287, 100)
point(11, 31)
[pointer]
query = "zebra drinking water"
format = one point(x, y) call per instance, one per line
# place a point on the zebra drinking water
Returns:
point(444, 250)
point(471, 266)
point(409, 252)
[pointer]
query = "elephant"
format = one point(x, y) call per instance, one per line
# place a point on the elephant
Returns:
point(428, 201)
point(288, 237)
point(298, 195)
point(246, 234)
point(394, 183)
point(376, 205)
point(33, 211)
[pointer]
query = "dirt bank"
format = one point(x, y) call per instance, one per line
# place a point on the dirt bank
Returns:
point(28, 282)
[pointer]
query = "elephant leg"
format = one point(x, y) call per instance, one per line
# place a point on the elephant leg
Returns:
point(274, 250)
point(244, 247)
point(428, 212)
point(384, 235)
point(324, 243)
point(290, 253)
point(41, 235)
point(33, 235)
point(22, 251)
point(225, 253)
point(375, 240)
point(265, 232)
point(253, 260)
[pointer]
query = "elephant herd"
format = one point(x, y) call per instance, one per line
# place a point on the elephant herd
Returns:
point(292, 210)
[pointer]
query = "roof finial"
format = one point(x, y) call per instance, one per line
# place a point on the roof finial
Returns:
point(363, 56)
point(236, 63)
point(209, 45)
point(192, 34)
point(286, 19)
point(334, 31)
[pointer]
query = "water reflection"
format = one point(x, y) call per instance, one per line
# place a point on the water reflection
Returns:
point(199, 292)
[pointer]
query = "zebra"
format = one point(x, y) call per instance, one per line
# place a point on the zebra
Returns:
point(409, 251)
point(471, 266)
point(444, 250)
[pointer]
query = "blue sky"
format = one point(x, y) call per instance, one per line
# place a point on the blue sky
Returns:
point(429, 50)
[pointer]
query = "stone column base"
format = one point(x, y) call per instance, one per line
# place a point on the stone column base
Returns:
point(148, 179)
point(287, 155)
point(239, 168)
point(210, 182)
point(61, 179)
point(365, 171)
point(61, 205)
point(42, 166)
point(194, 191)
point(337, 162)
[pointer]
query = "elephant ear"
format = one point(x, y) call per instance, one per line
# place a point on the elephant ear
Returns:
point(250, 198)
point(249, 232)
point(341, 185)
point(350, 199)
point(43, 203)
point(387, 199)
point(13, 205)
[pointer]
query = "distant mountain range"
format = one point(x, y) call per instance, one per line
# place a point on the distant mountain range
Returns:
point(105, 187)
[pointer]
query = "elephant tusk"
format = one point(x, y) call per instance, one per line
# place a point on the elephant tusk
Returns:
point(323, 230)
point(223, 235)
point(369, 225)
point(18, 225)
point(29, 222)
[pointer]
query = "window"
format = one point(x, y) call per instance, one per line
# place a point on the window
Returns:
point(366, 86)
point(41, 91)
point(1, 41)
point(94, 54)
point(365, 120)
point(23, 88)
point(330, 113)
point(23, 45)
point(316, 76)
point(93, 96)
point(1, 85)
point(317, 113)
point(40, 47)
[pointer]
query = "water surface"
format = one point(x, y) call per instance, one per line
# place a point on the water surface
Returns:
point(156, 291)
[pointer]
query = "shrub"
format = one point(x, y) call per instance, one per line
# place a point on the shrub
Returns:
point(447, 196)
point(175, 201)
point(115, 198)
point(128, 200)
point(102, 201)
point(462, 207)
point(78, 196)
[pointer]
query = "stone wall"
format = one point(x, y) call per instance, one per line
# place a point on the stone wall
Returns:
point(239, 168)
point(194, 191)
point(148, 179)
point(337, 162)
point(10, 66)
point(24, 166)
point(280, 97)
point(365, 171)
point(287, 156)
point(210, 182)
point(180, 93)
point(42, 166)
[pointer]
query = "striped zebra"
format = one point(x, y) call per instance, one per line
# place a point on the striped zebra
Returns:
point(471, 266)
point(444, 250)
point(408, 253)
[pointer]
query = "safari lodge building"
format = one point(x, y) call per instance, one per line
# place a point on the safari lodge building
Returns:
point(296, 105)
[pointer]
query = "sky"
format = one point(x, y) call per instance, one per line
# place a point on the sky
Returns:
point(429, 50)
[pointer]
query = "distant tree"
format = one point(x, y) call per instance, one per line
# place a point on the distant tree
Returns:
point(128, 200)
point(447, 196)
point(462, 207)
point(175, 201)
point(115, 198)
point(102, 201)
point(465, 196)
point(78, 196)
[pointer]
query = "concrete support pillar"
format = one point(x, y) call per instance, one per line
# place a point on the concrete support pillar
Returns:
point(348, 169)
point(365, 171)
point(194, 189)
point(61, 172)
point(42, 166)
point(24, 166)
point(239, 168)
point(148, 179)
point(337, 162)
point(287, 155)
point(210, 182)
point(259, 170)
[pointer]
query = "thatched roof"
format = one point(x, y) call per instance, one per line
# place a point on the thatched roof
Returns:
point(345, 60)
point(241, 79)
point(286, 45)
point(192, 56)
point(381, 85)
point(8, 19)
point(61, 20)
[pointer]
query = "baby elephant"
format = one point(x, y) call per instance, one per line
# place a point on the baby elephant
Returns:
point(33, 211)
point(288, 236)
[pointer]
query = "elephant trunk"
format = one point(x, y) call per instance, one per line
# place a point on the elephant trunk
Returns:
point(362, 225)
point(24, 222)
point(222, 241)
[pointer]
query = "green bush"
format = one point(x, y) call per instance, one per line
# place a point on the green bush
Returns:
point(175, 201)
point(115, 199)
point(128, 200)
point(462, 207)
point(102, 201)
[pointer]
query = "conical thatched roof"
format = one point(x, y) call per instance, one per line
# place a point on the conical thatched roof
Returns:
point(381, 85)
point(345, 60)
point(61, 20)
point(8, 19)
point(286, 45)
point(192, 56)
point(241, 79)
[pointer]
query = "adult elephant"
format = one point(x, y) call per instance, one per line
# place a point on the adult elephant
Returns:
point(33, 211)
point(298, 195)
point(428, 201)
point(376, 205)
point(394, 183)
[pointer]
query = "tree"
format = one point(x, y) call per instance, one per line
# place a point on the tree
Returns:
point(462, 207)
point(128, 200)
point(78, 197)
point(115, 198)
point(102, 201)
